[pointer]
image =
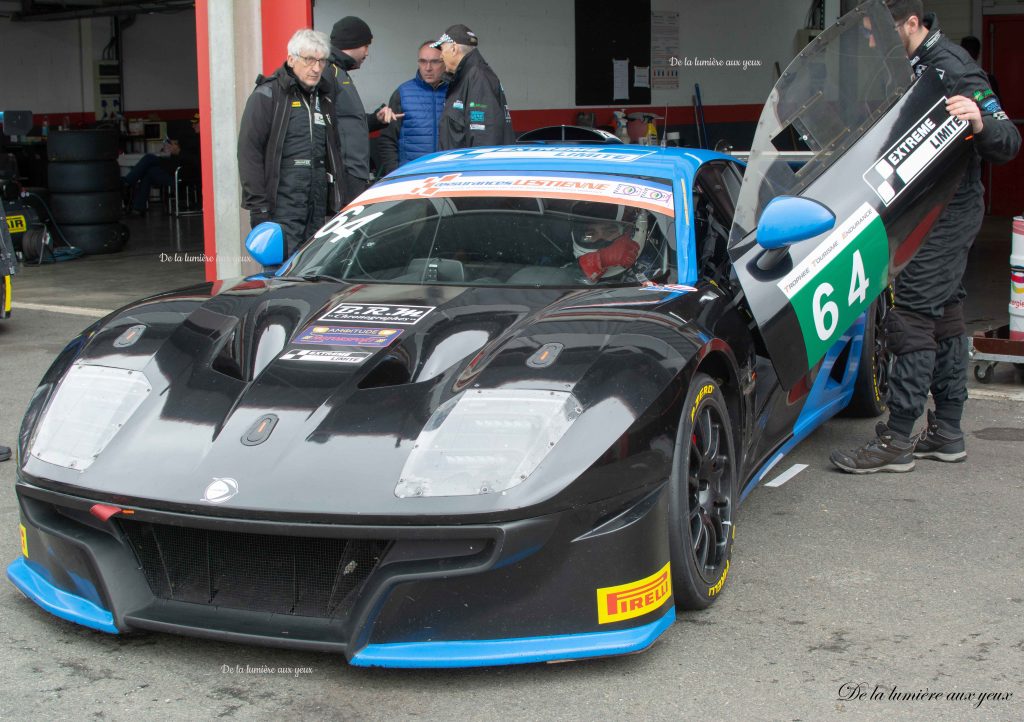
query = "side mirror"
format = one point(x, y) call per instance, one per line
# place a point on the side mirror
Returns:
point(788, 219)
point(265, 243)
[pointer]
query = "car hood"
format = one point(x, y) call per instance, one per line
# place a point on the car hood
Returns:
point(220, 359)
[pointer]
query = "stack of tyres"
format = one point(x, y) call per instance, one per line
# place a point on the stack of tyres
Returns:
point(85, 189)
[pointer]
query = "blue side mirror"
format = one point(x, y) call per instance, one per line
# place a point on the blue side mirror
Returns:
point(789, 219)
point(265, 243)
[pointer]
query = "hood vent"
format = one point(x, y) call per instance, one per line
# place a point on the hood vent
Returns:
point(228, 357)
point(389, 371)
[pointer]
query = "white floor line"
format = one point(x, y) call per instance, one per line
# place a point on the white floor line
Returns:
point(1013, 395)
point(71, 310)
point(787, 475)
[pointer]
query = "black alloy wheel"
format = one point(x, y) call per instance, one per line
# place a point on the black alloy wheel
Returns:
point(871, 388)
point(702, 497)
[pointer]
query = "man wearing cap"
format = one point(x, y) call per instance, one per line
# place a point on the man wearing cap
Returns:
point(476, 111)
point(350, 47)
point(421, 100)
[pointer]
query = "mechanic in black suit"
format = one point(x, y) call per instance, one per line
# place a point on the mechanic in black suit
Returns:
point(926, 333)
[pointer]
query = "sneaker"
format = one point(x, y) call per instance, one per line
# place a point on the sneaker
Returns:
point(940, 441)
point(886, 452)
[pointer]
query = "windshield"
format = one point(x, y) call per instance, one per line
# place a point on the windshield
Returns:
point(495, 228)
point(828, 96)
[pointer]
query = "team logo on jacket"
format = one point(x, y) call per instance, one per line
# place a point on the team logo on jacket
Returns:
point(220, 490)
point(626, 601)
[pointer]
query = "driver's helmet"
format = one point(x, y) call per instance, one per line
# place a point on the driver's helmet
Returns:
point(598, 225)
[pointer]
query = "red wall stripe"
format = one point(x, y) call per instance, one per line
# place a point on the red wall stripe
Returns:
point(205, 147)
point(523, 120)
point(280, 20)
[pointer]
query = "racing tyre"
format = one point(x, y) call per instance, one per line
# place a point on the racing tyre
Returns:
point(102, 207)
point(702, 497)
point(62, 145)
point(871, 388)
point(95, 239)
point(84, 176)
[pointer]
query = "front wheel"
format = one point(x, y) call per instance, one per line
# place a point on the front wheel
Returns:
point(702, 497)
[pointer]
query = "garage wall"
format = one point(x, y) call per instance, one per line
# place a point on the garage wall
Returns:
point(160, 62)
point(530, 44)
point(42, 66)
point(48, 66)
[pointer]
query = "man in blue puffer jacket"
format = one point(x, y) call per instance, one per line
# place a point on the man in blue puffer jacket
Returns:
point(422, 101)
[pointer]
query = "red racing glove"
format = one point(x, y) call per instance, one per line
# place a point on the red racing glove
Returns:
point(622, 252)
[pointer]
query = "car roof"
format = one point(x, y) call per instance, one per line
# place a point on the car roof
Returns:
point(632, 160)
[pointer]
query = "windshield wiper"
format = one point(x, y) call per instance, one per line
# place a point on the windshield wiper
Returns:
point(313, 278)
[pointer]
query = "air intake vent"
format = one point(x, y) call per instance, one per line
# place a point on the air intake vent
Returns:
point(303, 576)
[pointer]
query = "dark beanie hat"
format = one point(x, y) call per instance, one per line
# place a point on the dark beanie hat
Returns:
point(350, 32)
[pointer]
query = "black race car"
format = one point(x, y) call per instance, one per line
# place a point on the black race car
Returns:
point(505, 406)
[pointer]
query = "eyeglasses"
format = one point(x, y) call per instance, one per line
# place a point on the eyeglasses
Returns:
point(421, 61)
point(322, 62)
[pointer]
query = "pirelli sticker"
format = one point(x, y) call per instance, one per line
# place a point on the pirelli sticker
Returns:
point(384, 314)
point(635, 599)
point(914, 152)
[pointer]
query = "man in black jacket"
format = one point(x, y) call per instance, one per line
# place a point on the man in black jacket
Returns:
point(350, 47)
point(926, 333)
point(288, 145)
point(476, 111)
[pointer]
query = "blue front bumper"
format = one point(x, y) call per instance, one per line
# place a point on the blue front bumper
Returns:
point(527, 650)
point(58, 602)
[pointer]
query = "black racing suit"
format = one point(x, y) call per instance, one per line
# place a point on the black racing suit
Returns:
point(475, 111)
point(354, 124)
point(287, 150)
point(926, 330)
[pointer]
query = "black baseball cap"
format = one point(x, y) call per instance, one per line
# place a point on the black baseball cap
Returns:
point(457, 34)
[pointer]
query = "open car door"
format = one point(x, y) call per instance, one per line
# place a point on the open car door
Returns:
point(885, 158)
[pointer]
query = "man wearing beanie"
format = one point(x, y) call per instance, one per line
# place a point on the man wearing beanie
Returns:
point(350, 46)
point(476, 111)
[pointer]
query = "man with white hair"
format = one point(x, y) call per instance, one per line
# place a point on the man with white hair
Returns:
point(288, 148)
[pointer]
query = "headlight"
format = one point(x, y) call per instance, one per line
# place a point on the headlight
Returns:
point(91, 404)
point(485, 441)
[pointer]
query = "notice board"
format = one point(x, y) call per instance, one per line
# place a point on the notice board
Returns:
point(613, 37)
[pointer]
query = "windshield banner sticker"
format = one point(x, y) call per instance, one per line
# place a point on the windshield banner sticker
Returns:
point(377, 313)
point(619, 155)
point(840, 278)
point(333, 357)
point(349, 336)
point(912, 153)
point(608, 189)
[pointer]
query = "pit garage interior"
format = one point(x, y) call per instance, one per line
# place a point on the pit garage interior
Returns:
point(149, 68)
